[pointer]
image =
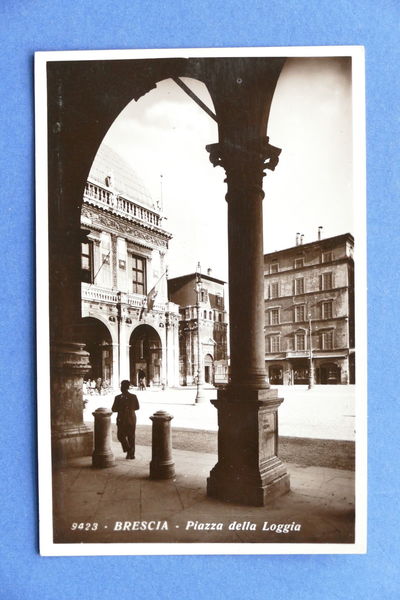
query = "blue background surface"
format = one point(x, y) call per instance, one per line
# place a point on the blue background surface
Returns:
point(27, 26)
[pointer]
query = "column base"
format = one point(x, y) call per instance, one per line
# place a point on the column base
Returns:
point(103, 461)
point(71, 442)
point(162, 470)
point(248, 470)
point(201, 397)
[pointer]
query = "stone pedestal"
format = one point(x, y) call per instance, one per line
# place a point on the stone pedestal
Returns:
point(161, 466)
point(102, 456)
point(70, 436)
point(248, 469)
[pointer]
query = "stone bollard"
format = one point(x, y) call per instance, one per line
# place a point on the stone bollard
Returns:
point(161, 466)
point(102, 456)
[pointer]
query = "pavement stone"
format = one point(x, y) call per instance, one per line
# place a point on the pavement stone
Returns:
point(321, 500)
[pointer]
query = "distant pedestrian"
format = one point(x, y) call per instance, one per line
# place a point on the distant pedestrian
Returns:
point(99, 383)
point(126, 405)
point(142, 384)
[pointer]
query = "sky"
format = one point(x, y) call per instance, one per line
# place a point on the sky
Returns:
point(163, 136)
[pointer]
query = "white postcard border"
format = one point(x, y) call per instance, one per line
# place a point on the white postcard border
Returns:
point(47, 546)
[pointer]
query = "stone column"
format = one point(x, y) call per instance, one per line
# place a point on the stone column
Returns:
point(248, 469)
point(115, 367)
point(70, 436)
point(162, 466)
point(102, 456)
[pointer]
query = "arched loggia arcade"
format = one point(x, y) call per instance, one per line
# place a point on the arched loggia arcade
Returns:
point(84, 98)
point(145, 356)
point(98, 343)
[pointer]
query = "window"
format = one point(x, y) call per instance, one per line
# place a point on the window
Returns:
point(274, 316)
point(299, 313)
point(274, 290)
point(138, 275)
point(299, 286)
point(298, 263)
point(220, 318)
point(122, 264)
point(327, 309)
point(274, 268)
point(326, 281)
point(205, 314)
point(210, 315)
point(273, 343)
point(327, 340)
point(300, 341)
point(327, 256)
point(87, 262)
point(203, 295)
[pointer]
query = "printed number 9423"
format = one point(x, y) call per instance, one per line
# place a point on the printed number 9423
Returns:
point(84, 526)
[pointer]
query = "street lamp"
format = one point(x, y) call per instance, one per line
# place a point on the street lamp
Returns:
point(199, 391)
point(311, 378)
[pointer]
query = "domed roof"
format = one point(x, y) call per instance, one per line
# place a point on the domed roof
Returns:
point(110, 170)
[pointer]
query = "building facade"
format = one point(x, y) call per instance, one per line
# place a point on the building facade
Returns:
point(202, 328)
point(128, 324)
point(309, 312)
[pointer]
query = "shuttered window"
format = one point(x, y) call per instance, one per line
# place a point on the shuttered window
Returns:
point(138, 275)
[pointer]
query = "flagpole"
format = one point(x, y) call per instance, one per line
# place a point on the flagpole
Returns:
point(199, 391)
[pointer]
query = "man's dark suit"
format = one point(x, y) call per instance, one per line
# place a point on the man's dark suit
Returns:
point(125, 405)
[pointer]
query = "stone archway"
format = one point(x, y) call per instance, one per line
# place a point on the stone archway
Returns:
point(84, 99)
point(145, 356)
point(329, 373)
point(98, 343)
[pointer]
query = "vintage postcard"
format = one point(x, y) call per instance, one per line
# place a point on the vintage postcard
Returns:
point(201, 287)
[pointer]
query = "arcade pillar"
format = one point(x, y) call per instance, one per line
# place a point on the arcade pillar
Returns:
point(248, 470)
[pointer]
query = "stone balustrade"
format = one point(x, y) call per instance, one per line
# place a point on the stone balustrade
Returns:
point(119, 205)
point(100, 294)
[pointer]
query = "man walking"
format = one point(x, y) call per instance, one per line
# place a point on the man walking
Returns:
point(125, 404)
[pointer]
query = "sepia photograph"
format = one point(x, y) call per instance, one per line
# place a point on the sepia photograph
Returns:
point(201, 301)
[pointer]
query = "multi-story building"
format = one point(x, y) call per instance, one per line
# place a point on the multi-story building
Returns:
point(129, 325)
point(309, 312)
point(202, 328)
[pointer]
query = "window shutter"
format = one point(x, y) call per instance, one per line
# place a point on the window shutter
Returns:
point(321, 283)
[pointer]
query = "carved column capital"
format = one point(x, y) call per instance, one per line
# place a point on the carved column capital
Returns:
point(244, 162)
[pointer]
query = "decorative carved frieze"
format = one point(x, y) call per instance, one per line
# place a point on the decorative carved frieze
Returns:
point(103, 222)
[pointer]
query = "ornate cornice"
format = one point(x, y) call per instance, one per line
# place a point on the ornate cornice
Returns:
point(103, 222)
